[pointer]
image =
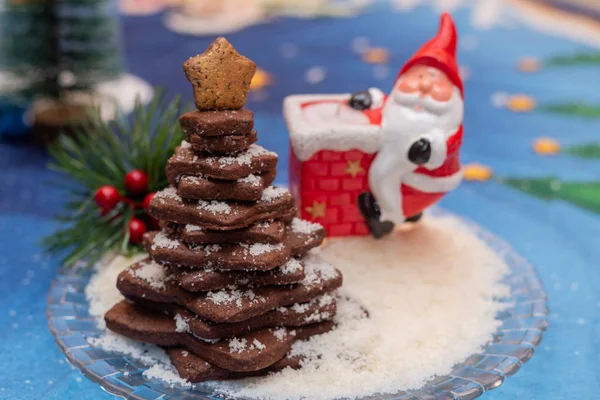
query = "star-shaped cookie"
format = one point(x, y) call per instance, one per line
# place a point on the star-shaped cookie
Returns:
point(220, 76)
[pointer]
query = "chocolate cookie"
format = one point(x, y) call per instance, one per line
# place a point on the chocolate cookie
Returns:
point(249, 352)
point(255, 160)
point(249, 188)
point(195, 369)
point(203, 280)
point(217, 123)
point(261, 232)
point(234, 256)
point(218, 215)
point(319, 309)
point(220, 76)
point(233, 304)
point(222, 144)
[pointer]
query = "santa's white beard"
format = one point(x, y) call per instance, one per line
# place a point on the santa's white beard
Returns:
point(400, 118)
point(402, 125)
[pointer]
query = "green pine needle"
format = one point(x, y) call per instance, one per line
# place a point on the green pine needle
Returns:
point(101, 154)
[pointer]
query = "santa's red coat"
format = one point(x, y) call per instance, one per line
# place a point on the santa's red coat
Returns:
point(415, 200)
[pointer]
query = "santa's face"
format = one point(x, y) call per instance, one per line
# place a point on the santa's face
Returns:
point(426, 81)
point(424, 98)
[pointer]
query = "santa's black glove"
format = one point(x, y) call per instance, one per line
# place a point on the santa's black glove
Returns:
point(361, 100)
point(420, 152)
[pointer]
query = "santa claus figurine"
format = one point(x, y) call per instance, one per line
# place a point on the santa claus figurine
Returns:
point(421, 134)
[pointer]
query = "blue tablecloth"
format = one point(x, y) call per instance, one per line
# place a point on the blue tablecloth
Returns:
point(559, 239)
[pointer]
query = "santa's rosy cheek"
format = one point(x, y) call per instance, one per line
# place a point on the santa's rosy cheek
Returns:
point(441, 92)
point(408, 85)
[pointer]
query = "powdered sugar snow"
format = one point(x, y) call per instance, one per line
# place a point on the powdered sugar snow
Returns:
point(304, 226)
point(431, 297)
point(214, 206)
point(101, 292)
point(152, 273)
point(251, 179)
point(272, 193)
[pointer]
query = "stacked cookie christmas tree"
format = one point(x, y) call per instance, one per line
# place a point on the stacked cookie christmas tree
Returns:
point(231, 282)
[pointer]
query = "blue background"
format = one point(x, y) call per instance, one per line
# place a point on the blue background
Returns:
point(561, 241)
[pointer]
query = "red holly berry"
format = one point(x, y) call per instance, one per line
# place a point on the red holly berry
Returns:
point(147, 200)
point(137, 228)
point(136, 181)
point(107, 197)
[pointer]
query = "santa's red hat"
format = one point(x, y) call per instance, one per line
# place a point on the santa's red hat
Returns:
point(439, 52)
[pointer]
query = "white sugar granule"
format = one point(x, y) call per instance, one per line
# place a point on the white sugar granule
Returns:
point(280, 333)
point(237, 345)
point(257, 249)
point(291, 266)
point(257, 344)
point(272, 193)
point(208, 249)
point(243, 158)
point(168, 193)
point(152, 273)
point(317, 269)
point(185, 145)
point(431, 293)
point(101, 292)
point(181, 324)
point(166, 373)
point(304, 226)
point(193, 228)
point(214, 206)
point(161, 240)
point(251, 179)
point(317, 316)
point(192, 178)
point(233, 295)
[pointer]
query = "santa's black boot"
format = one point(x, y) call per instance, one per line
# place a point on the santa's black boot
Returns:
point(415, 218)
point(367, 205)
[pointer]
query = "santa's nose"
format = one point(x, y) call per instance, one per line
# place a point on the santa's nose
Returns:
point(425, 85)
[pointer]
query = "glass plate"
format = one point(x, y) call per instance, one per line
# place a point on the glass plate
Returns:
point(513, 344)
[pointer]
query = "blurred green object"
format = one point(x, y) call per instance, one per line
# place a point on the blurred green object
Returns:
point(589, 151)
point(50, 48)
point(582, 194)
point(592, 58)
point(575, 109)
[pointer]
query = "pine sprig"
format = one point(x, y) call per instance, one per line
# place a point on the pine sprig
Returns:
point(101, 154)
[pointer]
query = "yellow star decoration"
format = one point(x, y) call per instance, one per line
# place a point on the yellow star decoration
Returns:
point(261, 79)
point(375, 55)
point(220, 76)
point(353, 168)
point(477, 172)
point(529, 65)
point(521, 103)
point(317, 210)
point(546, 146)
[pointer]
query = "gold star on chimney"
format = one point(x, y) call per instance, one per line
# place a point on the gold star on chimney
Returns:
point(220, 76)
point(317, 210)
